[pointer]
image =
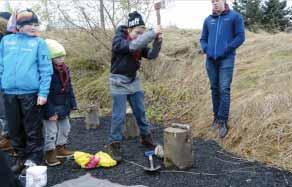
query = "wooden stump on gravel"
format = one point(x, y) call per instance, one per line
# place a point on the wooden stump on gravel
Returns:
point(178, 146)
point(131, 129)
point(92, 118)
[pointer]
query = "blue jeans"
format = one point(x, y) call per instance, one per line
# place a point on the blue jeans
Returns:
point(119, 103)
point(220, 74)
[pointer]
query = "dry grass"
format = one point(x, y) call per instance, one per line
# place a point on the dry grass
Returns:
point(261, 120)
point(3, 25)
point(177, 89)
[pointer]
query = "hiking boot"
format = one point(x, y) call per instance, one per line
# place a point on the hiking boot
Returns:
point(62, 152)
point(114, 150)
point(147, 141)
point(223, 128)
point(18, 167)
point(5, 144)
point(51, 158)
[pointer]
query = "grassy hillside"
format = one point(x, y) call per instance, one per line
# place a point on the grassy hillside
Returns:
point(177, 89)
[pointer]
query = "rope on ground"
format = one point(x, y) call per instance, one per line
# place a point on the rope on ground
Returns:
point(171, 171)
point(188, 172)
point(133, 163)
point(241, 170)
point(227, 155)
point(231, 162)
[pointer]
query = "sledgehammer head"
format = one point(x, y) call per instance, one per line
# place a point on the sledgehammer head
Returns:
point(152, 168)
point(149, 153)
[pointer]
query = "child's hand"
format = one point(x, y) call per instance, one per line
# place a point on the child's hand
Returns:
point(54, 118)
point(158, 33)
point(158, 30)
point(41, 100)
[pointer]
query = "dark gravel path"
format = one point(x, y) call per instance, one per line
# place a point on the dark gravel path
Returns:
point(209, 158)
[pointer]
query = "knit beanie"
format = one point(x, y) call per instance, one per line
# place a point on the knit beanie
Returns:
point(135, 19)
point(5, 15)
point(55, 48)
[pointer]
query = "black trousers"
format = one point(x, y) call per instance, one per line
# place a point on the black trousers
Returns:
point(2, 108)
point(7, 178)
point(24, 120)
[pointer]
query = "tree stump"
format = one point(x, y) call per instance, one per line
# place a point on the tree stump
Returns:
point(131, 129)
point(92, 118)
point(178, 146)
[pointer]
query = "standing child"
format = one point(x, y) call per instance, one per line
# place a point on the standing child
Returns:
point(128, 47)
point(25, 76)
point(61, 101)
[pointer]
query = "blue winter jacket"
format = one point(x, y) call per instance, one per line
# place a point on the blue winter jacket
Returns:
point(222, 34)
point(24, 65)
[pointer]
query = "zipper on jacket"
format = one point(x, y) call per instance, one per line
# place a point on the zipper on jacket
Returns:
point(217, 30)
point(18, 52)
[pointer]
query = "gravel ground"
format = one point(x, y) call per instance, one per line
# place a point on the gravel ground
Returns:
point(212, 165)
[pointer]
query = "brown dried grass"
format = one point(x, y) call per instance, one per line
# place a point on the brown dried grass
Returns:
point(177, 89)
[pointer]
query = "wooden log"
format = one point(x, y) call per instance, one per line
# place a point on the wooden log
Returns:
point(92, 118)
point(131, 129)
point(178, 145)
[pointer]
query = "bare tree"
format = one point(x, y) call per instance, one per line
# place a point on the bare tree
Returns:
point(95, 17)
point(101, 9)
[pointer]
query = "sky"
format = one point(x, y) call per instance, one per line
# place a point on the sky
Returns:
point(183, 13)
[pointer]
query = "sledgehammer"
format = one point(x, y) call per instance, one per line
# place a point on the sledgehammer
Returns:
point(150, 154)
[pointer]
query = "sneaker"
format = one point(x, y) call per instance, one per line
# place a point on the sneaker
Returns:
point(62, 152)
point(223, 128)
point(51, 158)
point(114, 150)
point(18, 167)
point(147, 141)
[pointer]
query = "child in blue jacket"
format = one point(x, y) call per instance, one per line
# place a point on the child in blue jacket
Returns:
point(61, 101)
point(5, 143)
point(25, 76)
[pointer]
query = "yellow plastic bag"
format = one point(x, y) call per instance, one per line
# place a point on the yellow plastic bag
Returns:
point(82, 158)
point(105, 160)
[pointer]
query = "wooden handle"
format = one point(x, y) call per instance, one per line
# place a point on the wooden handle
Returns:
point(158, 17)
point(157, 7)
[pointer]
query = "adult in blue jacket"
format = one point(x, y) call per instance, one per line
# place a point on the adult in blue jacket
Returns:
point(25, 76)
point(223, 32)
